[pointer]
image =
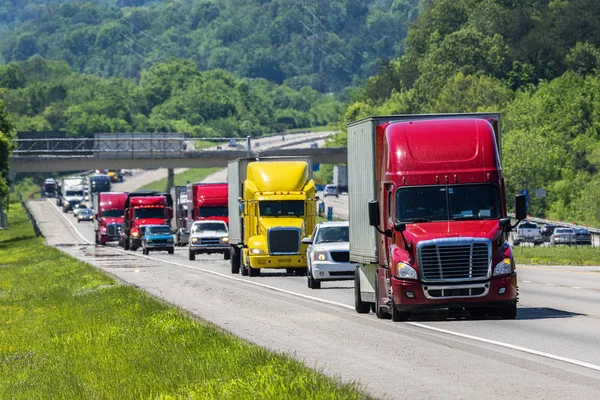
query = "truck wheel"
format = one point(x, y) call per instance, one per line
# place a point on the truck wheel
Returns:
point(508, 312)
point(477, 312)
point(226, 255)
point(399, 316)
point(300, 271)
point(253, 271)
point(171, 250)
point(379, 312)
point(126, 243)
point(361, 307)
point(191, 256)
point(144, 252)
point(312, 282)
point(235, 260)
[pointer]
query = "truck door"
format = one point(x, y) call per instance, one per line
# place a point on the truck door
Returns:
point(389, 220)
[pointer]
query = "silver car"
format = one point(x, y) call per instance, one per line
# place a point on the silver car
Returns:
point(209, 237)
point(563, 236)
point(328, 254)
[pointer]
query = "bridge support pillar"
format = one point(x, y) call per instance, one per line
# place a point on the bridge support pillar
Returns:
point(170, 179)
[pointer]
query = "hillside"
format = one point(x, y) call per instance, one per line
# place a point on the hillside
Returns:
point(326, 45)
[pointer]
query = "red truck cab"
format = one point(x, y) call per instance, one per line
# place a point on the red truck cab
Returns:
point(144, 208)
point(436, 232)
point(108, 216)
point(207, 201)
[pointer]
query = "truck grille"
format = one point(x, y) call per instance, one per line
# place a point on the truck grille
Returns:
point(284, 240)
point(454, 259)
point(113, 229)
point(340, 256)
point(72, 203)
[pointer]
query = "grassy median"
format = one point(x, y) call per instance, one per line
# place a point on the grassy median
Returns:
point(557, 255)
point(67, 331)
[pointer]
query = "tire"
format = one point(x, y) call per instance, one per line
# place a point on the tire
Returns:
point(253, 271)
point(126, 243)
point(226, 255)
point(145, 252)
point(171, 250)
point(78, 221)
point(235, 260)
point(312, 282)
point(191, 256)
point(361, 307)
point(399, 316)
point(378, 310)
point(300, 271)
point(508, 312)
point(478, 312)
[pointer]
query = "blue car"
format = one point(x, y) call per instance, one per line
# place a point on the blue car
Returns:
point(157, 237)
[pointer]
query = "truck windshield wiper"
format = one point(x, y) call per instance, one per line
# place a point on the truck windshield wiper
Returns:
point(416, 220)
point(466, 217)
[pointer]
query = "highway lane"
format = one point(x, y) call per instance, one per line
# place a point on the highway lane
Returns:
point(322, 334)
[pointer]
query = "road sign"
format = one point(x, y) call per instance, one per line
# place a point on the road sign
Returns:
point(316, 167)
point(539, 193)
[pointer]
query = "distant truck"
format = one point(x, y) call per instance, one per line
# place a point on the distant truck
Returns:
point(179, 222)
point(98, 183)
point(207, 201)
point(70, 192)
point(49, 188)
point(340, 177)
point(435, 235)
point(144, 208)
point(277, 209)
point(109, 208)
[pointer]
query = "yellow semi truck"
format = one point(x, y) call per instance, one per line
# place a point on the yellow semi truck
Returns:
point(272, 206)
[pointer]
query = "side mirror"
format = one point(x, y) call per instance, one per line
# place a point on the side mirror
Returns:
point(373, 213)
point(399, 226)
point(307, 240)
point(317, 198)
point(504, 223)
point(520, 206)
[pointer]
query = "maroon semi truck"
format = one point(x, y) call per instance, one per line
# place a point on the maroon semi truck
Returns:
point(435, 234)
point(109, 208)
point(144, 208)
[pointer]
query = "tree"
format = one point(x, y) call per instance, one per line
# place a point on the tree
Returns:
point(6, 132)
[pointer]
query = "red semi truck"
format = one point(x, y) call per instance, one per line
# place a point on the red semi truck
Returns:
point(144, 208)
point(108, 216)
point(435, 235)
point(207, 201)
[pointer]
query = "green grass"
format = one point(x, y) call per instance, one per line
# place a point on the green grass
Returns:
point(191, 175)
point(67, 331)
point(557, 255)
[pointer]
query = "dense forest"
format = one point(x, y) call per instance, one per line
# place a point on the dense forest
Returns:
point(45, 95)
point(536, 61)
point(323, 44)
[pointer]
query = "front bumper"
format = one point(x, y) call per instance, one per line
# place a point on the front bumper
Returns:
point(283, 261)
point(333, 271)
point(199, 248)
point(432, 296)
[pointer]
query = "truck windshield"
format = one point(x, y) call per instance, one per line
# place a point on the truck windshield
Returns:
point(447, 203)
point(149, 213)
point(278, 208)
point(112, 213)
point(219, 211)
point(78, 193)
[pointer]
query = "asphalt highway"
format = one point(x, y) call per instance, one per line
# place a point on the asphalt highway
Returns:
point(552, 349)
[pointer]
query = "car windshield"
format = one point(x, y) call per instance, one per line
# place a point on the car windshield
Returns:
point(112, 213)
point(219, 211)
point(332, 234)
point(209, 226)
point(281, 208)
point(86, 211)
point(563, 230)
point(157, 230)
point(149, 213)
point(528, 226)
point(74, 193)
point(450, 202)
point(582, 230)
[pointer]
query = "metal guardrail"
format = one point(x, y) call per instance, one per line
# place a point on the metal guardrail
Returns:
point(36, 228)
point(594, 232)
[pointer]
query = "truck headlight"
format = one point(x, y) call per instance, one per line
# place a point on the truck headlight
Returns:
point(503, 267)
point(320, 255)
point(405, 271)
point(135, 234)
point(65, 204)
point(194, 240)
point(224, 240)
point(257, 251)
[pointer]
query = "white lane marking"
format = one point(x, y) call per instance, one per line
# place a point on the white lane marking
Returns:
point(550, 284)
point(525, 281)
point(576, 287)
point(69, 221)
point(342, 305)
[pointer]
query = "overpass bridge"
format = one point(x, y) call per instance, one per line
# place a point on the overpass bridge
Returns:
point(146, 151)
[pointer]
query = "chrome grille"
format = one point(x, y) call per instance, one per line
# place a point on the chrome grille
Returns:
point(284, 240)
point(113, 229)
point(454, 259)
point(207, 241)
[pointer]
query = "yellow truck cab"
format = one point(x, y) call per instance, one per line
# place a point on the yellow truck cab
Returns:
point(272, 206)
